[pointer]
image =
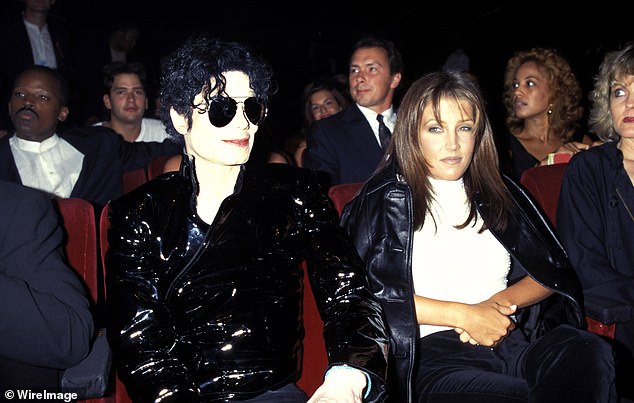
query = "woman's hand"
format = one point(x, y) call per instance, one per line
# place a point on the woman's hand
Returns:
point(486, 323)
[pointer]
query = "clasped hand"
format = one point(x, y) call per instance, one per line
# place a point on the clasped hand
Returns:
point(487, 323)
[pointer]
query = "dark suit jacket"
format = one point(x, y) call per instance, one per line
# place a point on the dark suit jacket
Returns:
point(45, 315)
point(106, 157)
point(344, 146)
point(16, 55)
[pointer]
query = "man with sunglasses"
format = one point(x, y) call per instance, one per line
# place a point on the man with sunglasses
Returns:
point(204, 277)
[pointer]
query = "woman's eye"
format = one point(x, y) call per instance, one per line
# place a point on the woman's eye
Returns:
point(618, 92)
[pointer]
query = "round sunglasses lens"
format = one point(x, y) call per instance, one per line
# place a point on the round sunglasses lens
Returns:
point(254, 110)
point(221, 111)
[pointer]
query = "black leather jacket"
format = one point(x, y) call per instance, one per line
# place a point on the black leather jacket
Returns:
point(380, 222)
point(213, 312)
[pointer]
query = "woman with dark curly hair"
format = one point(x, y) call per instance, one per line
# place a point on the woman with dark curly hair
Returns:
point(542, 97)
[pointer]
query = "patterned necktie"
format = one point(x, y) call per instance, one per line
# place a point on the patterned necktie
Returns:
point(384, 133)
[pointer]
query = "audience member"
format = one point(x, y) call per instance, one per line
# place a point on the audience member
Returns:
point(321, 100)
point(94, 53)
point(542, 97)
point(203, 271)
point(595, 215)
point(348, 146)
point(34, 36)
point(45, 317)
point(127, 101)
point(475, 312)
point(86, 162)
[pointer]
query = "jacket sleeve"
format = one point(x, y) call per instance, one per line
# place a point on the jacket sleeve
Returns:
point(320, 153)
point(581, 222)
point(141, 329)
point(354, 329)
point(140, 154)
point(45, 313)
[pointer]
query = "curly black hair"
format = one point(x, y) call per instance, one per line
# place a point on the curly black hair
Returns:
point(201, 60)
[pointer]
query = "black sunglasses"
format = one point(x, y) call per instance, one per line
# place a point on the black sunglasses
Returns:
point(222, 110)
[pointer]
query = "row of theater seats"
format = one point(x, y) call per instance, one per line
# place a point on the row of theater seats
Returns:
point(85, 242)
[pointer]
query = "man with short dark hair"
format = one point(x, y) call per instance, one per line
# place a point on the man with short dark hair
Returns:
point(86, 162)
point(349, 145)
point(126, 99)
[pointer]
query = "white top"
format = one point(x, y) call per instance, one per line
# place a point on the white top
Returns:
point(151, 130)
point(389, 118)
point(449, 264)
point(52, 165)
point(41, 45)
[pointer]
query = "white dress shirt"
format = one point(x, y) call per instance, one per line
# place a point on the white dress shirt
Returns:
point(389, 118)
point(52, 165)
point(41, 45)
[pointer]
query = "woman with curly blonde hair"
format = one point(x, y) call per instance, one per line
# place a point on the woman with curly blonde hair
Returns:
point(595, 212)
point(542, 97)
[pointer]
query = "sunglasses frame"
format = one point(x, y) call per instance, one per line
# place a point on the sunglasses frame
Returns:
point(221, 110)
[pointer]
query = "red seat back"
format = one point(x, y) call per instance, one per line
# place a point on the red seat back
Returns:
point(342, 194)
point(78, 221)
point(544, 183)
point(157, 166)
point(134, 179)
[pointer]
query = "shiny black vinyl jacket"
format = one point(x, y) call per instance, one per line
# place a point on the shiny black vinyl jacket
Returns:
point(212, 313)
point(379, 220)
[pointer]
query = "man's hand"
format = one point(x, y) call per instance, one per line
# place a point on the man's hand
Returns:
point(343, 384)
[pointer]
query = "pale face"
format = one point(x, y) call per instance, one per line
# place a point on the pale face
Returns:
point(371, 83)
point(448, 145)
point(229, 145)
point(622, 106)
point(532, 92)
point(323, 104)
point(127, 100)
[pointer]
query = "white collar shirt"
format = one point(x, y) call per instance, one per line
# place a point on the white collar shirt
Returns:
point(389, 118)
point(52, 165)
point(41, 45)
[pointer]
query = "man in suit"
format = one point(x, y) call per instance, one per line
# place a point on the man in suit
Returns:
point(33, 36)
point(45, 316)
point(347, 145)
point(86, 162)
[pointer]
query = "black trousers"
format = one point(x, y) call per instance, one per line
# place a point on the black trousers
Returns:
point(565, 365)
point(290, 393)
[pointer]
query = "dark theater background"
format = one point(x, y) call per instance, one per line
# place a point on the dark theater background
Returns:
point(304, 40)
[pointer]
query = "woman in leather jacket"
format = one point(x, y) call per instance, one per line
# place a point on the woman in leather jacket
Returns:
point(478, 295)
point(204, 278)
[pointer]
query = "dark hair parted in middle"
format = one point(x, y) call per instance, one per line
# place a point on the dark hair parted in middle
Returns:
point(483, 174)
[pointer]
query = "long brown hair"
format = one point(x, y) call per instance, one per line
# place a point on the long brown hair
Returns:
point(482, 177)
